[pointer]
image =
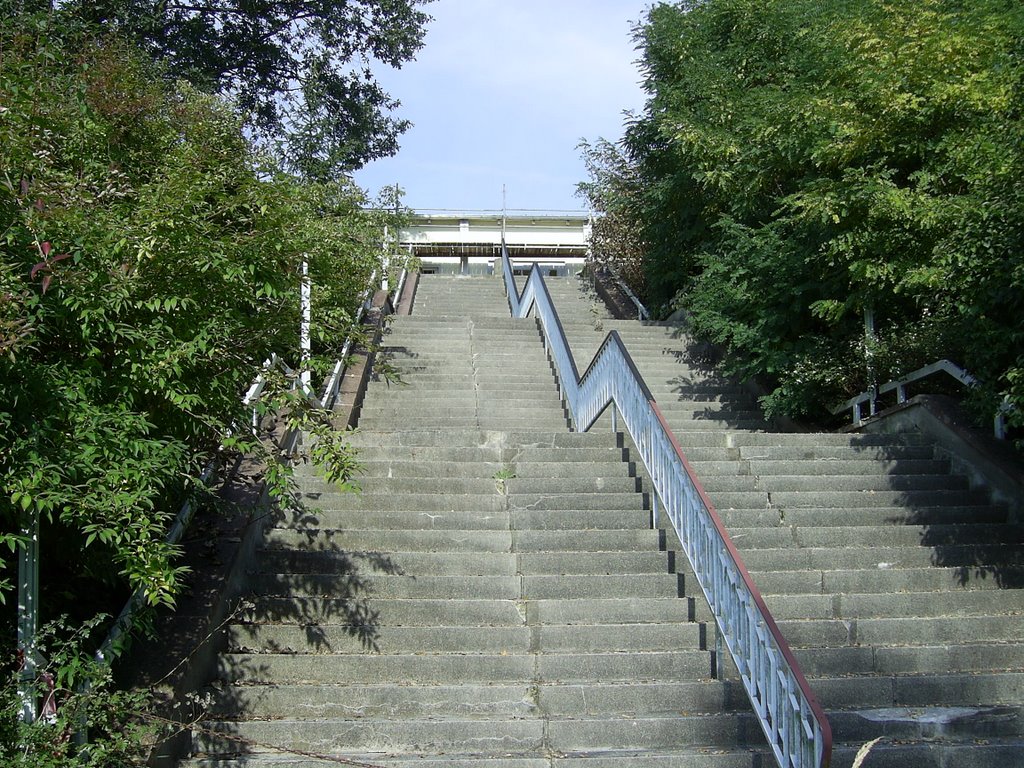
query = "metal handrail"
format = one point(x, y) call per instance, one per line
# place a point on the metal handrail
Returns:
point(642, 313)
point(855, 404)
point(794, 723)
point(123, 623)
point(333, 381)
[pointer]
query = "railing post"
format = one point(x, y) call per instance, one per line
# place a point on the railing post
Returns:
point(28, 614)
point(304, 330)
point(719, 652)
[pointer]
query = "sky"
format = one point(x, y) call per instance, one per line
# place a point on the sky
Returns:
point(501, 94)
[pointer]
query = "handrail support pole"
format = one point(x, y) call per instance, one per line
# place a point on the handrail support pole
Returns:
point(28, 614)
point(719, 670)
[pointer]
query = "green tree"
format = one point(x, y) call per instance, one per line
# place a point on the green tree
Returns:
point(612, 193)
point(801, 163)
point(301, 69)
point(149, 264)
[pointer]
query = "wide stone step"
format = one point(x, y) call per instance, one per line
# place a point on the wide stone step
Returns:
point(341, 639)
point(485, 701)
point(921, 753)
point(815, 453)
point(608, 610)
point(528, 518)
point(603, 586)
point(851, 466)
point(494, 502)
point(826, 498)
point(404, 468)
point(501, 481)
point(290, 560)
point(880, 558)
point(819, 517)
point(886, 691)
point(398, 540)
point(916, 659)
point(525, 420)
point(336, 559)
point(838, 581)
point(489, 377)
point(860, 483)
point(376, 585)
point(861, 535)
point(611, 540)
point(449, 540)
point(408, 403)
point(477, 502)
point(385, 467)
point(313, 522)
point(400, 441)
point(912, 630)
point(949, 723)
point(455, 395)
point(383, 612)
point(817, 440)
point(373, 585)
point(455, 613)
point(958, 604)
point(280, 669)
point(681, 424)
point(488, 737)
point(371, 638)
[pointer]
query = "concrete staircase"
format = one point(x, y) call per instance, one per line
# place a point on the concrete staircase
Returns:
point(494, 597)
point(897, 585)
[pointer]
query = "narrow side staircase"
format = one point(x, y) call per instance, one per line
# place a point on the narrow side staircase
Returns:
point(494, 597)
point(898, 585)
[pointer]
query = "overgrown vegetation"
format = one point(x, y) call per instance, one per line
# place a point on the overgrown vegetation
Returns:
point(800, 165)
point(117, 719)
point(150, 261)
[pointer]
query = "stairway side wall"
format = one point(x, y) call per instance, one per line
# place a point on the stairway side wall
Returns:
point(985, 461)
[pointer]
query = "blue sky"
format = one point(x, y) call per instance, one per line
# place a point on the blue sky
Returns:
point(501, 93)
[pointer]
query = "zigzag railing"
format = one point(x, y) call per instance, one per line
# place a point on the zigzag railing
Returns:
point(793, 722)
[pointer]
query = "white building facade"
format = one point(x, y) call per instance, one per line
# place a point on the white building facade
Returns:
point(469, 242)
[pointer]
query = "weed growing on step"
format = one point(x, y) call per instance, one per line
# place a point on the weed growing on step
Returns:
point(503, 474)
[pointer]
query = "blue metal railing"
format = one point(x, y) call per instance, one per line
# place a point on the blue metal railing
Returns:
point(794, 723)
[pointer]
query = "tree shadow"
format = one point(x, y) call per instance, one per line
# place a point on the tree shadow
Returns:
point(970, 535)
point(311, 602)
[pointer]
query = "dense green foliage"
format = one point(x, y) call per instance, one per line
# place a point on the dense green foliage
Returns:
point(302, 70)
point(800, 163)
point(120, 726)
point(149, 264)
